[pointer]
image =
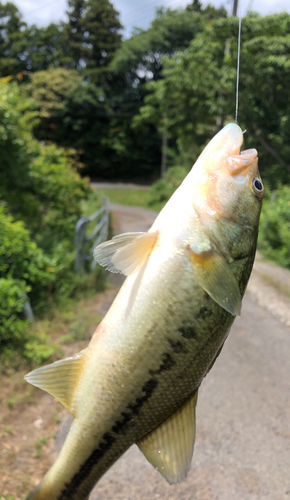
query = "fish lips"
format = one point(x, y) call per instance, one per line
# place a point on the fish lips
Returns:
point(241, 164)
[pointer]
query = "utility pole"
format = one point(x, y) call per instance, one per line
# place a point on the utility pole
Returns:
point(235, 7)
point(164, 152)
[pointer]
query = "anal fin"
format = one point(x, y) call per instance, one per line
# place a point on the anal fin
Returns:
point(169, 447)
point(59, 379)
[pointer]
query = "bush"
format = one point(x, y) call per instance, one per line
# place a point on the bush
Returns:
point(163, 189)
point(38, 181)
point(21, 259)
point(16, 341)
point(40, 203)
point(57, 191)
point(274, 233)
point(12, 300)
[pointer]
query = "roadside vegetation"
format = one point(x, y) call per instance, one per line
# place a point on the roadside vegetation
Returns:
point(29, 417)
point(274, 231)
point(77, 100)
point(153, 198)
point(42, 196)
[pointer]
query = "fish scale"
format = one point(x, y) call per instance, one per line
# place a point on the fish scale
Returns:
point(164, 386)
point(137, 380)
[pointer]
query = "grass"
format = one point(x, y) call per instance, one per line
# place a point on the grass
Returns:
point(9, 431)
point(66, 325)
point(91, 204)
point(132, 197)
point(56, 418)
point(22, 405)
point(11, 401)
point(74, 321)
point(39, 445)
point(89, 207)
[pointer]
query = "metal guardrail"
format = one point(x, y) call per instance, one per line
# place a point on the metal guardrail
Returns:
point(98, 234)
point(27, 309)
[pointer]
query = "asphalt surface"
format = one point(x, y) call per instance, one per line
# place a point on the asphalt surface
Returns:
point(242, 449)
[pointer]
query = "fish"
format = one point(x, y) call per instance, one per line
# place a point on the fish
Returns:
point(138, 379)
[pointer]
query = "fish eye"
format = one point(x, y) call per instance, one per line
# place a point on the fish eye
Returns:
point(258, 187)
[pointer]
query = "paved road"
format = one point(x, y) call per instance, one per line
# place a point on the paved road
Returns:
point(242, 449)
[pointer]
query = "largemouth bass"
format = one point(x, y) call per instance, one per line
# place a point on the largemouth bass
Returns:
point(137, 381)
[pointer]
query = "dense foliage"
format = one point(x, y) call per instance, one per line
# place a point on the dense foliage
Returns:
point(163, 189)
point(199, 86)
point(75, 97)
point(91, 35)
point(93, 86)
point(100, 80)
point(274, 234)
point(37, 181)
point(41, 195)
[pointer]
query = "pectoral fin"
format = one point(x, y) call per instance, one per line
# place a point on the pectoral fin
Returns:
point(125, 253)
point(169, 447)
point(214, 275)
point(59, 379)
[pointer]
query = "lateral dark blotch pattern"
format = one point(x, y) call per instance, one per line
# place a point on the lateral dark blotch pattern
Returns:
point(84, 471)
point(148, 389)
point(178, 347)
point(204, 313)
point(188, 332)
point(167, 364)
point(121, 425)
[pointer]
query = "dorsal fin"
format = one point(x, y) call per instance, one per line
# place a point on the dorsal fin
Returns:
point(59, 379)
point(214, 275)
point(169, 447)
point(125, 253)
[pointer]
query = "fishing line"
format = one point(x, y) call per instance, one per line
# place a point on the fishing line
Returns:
point(250, 5)
point(238, 69)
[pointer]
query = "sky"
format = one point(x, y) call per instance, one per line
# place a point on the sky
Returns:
point(138, 13)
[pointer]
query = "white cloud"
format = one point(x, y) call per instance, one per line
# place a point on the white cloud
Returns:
point(42, 12)
point(138, 12)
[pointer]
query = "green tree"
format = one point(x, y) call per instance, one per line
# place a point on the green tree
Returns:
point(91, 34)
point(73, 111)
point(187, 100)
point(41, 194)
point(140, 60)
point(210, 12)
point(140, 56)
point(45, 47)
point(37, 182)
point(13, 40)
point(24, 49)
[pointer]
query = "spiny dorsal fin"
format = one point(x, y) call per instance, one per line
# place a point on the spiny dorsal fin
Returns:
point(169, 447)
point(214, 275)
point(125, 253)
point(59, 379)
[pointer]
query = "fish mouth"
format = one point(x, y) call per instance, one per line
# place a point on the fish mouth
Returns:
point(241, 163)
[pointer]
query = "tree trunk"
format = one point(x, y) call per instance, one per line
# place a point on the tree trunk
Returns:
point(163, 157)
